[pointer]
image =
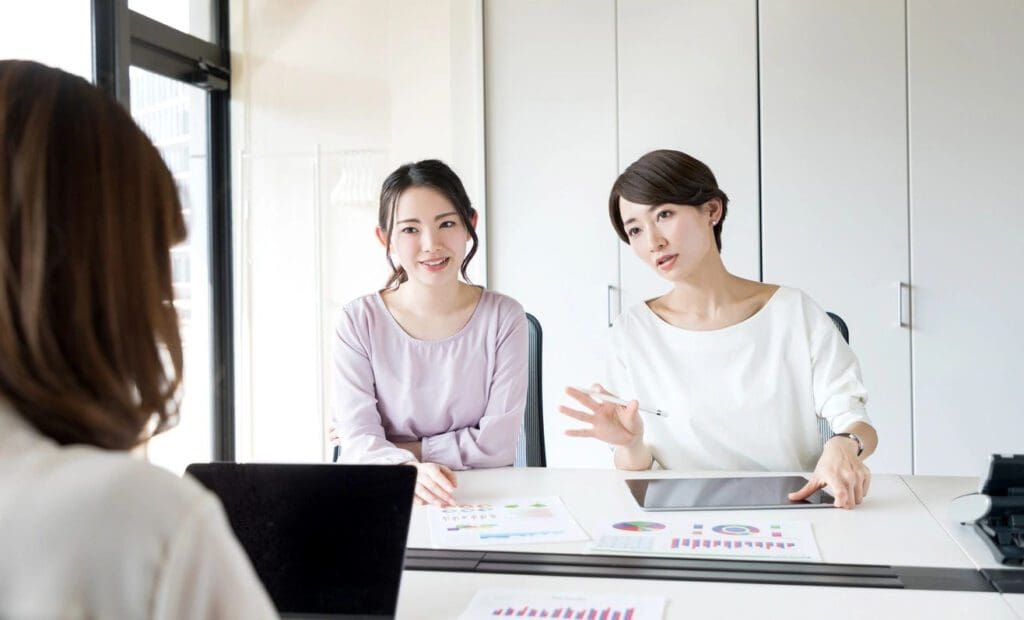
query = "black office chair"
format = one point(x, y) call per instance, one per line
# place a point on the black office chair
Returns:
point(840, 325)
point(530, 449)
point(824, 430)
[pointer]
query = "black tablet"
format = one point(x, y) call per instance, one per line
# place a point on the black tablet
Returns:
point(723, 493)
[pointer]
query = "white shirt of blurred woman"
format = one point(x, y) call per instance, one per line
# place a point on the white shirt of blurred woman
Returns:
point(92, 533)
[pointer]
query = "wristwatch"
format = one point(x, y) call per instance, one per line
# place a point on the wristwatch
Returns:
point(853, 436)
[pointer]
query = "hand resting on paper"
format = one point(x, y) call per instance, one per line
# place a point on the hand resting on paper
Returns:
point(435, 484)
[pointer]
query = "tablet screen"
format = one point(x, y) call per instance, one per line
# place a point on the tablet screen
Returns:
point(723, 493)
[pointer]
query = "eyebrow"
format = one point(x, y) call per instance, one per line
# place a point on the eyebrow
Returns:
point(416, 220)
point(633, 219)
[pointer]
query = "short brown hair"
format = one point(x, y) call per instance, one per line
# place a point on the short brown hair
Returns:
point(89, 344)
point(666, 177)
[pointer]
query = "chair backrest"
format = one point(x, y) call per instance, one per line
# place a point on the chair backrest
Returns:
point(530, 449)
point(824, 430)
point(840, 325)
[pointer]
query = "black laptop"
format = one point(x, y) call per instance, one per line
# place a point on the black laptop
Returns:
point(326, 540)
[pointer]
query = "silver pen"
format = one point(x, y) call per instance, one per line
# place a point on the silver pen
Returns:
point(608, 398)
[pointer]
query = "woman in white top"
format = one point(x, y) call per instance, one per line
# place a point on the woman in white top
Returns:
point(743, 369)
point(90, 366)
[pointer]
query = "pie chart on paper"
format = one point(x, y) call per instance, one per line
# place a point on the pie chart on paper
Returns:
point(639, 526)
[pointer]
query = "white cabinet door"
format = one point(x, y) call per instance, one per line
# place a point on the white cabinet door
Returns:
point(834, 184)
point(966, 67)
point(550, 131)
point(687, 74)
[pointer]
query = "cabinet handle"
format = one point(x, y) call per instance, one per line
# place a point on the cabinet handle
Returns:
point(899, 299)
point(608, 303)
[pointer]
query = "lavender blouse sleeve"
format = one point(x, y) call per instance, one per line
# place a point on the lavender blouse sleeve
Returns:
point(356, 417)
point(492, 442)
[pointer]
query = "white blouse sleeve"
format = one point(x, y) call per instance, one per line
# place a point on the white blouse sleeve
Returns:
point(206, 574)
point(839, 392)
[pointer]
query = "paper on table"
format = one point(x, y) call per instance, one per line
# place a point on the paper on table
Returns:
point(749, 540)
point(504, 520)
point(497, 602)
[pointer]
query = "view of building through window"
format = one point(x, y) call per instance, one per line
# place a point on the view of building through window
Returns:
point(65, 43)
point(191, 16)
point(173, 115)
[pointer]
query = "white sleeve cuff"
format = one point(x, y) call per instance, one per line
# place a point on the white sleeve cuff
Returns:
point(843, 421)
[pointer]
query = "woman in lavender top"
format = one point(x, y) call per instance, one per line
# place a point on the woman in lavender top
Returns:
point(430, 371)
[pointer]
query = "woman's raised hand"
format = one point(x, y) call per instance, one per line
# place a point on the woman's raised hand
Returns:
point(613, 424)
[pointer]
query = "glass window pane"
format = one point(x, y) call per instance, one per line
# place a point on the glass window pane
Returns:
point(192, 16)
point(30, 31)
point(173, 115)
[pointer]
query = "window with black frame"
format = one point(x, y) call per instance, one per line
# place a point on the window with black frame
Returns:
point(167, 62)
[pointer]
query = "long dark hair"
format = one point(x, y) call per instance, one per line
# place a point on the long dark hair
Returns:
point(432, 173)
point(89, 344)
point(666, 177)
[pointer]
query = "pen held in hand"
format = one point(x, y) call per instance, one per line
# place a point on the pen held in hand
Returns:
point(607, 398)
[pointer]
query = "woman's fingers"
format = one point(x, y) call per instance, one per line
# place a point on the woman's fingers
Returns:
point(450, 475)
point(805, 491)
point(430, 487)
point(863, 478)
point(580, 432)
point(629, 415)
point(844, 489)
point(424, 496)
point(441, 480)
point(576, 415)
point(583, 398)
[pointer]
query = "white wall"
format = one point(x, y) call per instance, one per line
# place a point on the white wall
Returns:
point(967, 216)
point(834, 180)
point(551, 158)
point(874, 169)
point(817, 136)
point(329, 96)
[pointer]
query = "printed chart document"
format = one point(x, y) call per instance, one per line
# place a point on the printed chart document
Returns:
point(747, 540)
point(502, 521)
point(500, 603)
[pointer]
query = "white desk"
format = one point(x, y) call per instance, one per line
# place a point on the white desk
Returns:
point(892, 527)
point(1016, 602)
point(935, 492)
point(433, 595)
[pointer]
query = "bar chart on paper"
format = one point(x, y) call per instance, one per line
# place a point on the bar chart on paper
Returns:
point(628, 613)
point(504, 603)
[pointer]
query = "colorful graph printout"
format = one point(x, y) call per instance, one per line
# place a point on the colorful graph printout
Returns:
point(639, 526)
point(507, 520)
point(493, 603)
point(754, 540)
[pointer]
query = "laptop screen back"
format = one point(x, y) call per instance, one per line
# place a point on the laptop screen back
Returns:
point(323, 538)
